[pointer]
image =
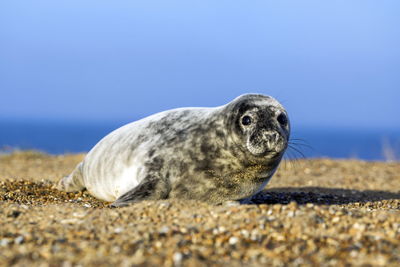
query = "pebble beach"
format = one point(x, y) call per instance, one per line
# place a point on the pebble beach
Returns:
point(314, 212)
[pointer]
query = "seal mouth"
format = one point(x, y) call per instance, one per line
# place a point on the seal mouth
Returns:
point(271, 154)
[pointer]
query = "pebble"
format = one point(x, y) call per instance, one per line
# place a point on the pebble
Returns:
point(177, 258)
point(4, 242)
point(18, 240)
point(118, 230)
point(233, 240)
point(164, 230)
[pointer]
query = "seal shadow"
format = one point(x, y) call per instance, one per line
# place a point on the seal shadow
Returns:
point(321, 196)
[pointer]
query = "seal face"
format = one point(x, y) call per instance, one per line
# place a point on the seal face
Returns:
point(210, 154)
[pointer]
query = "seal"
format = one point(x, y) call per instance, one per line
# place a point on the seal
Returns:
point(214, 155)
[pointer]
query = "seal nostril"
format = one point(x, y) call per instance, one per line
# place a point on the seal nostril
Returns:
point(282, 119)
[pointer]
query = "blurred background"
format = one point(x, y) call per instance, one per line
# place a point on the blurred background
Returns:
point(72, 71)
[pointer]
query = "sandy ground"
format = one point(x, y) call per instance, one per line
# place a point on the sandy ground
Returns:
point(314, 212)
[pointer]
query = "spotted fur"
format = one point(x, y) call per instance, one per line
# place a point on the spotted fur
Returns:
point(189, 153)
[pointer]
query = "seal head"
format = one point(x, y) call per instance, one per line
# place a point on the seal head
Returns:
point(260, 126)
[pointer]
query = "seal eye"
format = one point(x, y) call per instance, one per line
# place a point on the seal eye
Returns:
point(246, 120)
point(282, 119)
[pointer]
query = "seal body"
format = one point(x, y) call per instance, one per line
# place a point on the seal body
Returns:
point(210, 154)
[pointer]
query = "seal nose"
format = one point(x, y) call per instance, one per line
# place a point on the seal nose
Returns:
point(274, 141)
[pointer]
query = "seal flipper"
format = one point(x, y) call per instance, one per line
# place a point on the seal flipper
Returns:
point(72, 182)
point(148, 189)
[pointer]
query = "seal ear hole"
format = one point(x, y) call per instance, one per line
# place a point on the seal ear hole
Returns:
point(246, 120)
point(282, 119)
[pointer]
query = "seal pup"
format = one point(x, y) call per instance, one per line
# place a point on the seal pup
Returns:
point(215, 154)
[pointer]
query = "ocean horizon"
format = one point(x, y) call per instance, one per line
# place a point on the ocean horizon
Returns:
point(66, 137)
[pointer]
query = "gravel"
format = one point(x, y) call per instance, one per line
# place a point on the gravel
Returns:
point(314, 212)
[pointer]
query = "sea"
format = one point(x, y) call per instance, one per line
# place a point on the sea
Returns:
point(60, 137)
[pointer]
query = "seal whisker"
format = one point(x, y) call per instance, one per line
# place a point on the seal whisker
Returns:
point(301, 144)
point(292, 159)
point(297, 150)
point(299, 139)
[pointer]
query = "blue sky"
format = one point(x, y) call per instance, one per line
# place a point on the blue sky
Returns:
point(331, 63)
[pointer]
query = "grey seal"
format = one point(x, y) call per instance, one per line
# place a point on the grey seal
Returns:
point(215, 154)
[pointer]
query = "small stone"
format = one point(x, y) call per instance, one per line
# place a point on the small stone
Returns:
point(118, 230)
point(164, 230)
point(79, 214)
point(165, 205)
point(4, 242)
point(307, 171)
point(18, 240)
point(231, 203)
point(71, 221)
point(14, 213)
point(221, 229)
point(177, 258)
point(233, 240)
point(245, 233)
